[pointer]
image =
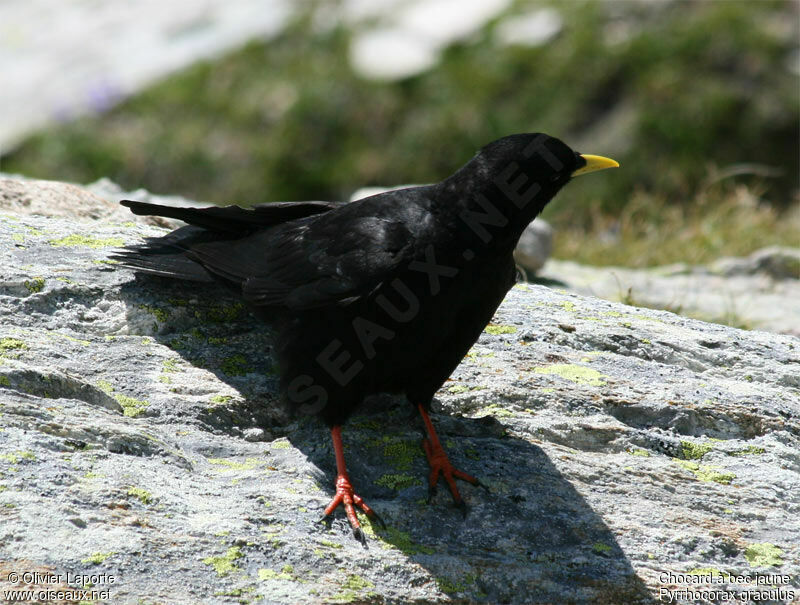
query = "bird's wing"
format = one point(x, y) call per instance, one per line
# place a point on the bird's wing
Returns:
point(313, 262)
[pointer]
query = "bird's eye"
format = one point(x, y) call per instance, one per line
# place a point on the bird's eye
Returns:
point(555, 177)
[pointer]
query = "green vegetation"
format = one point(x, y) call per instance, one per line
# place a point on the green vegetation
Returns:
point(90, 242)
point(10, 344)
point(35, 285)
point(706, 473)
point(225, 564)
point(575, 373)
point(97, 558)
point(497, 329)
point(764, 555)
point(142, 495)
point(697, 101)
point(694, 451)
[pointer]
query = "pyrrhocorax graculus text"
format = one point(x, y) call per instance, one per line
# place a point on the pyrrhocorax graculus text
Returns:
point(382, 295)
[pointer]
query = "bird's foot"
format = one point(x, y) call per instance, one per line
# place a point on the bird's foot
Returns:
point(440, 465)
point(346, 495)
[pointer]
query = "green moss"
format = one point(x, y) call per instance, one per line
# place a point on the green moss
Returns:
point(169, 365)
point(401, 453)
point(271, 574)
point(142, 495)
point(706, 473)
point(161, 315)
point(397, 481)
point(220, 399)
point(225, 564)
point(750, 450)
point(98, 557)
point(498, 411)
point(18, 456)
point(131, 407)
point(222, 314)
point(451, 586)
point(4, 381)
point(639, 452)
point(90, 242)
point(574, 373)
point(280, 444)
point(235, 365)
point(402, 541)
point(11, 344)
point(568, 306)
point(496, 329)
point(248, 465)
point(694, 451)
point(330, 544)
point(600, 548)
point(352, 589)
point(35, 285)
point(763, 555)
point(474, 354)
point(105, 386)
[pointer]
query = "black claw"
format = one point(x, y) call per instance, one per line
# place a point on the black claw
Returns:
point(462, 506)
point(483, 485)
point(359, 535)
point(326, 519)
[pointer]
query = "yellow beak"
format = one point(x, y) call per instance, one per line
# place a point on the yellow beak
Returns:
point(595, 163)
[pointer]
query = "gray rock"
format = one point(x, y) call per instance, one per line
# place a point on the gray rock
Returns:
point(760, 291)
point(534, 247)
point(97, 201)
point(778, 262)
point(619, 445)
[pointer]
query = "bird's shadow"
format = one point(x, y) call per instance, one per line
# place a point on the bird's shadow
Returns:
point(530, 536)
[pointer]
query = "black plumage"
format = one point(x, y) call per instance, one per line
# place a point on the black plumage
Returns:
point(385, 294)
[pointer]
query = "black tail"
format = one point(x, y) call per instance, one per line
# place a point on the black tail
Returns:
point(166, 256)
point(233, 219)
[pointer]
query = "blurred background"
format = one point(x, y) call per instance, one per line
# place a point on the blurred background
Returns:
point(254, 101)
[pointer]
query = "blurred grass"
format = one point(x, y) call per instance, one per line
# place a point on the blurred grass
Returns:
point(650, 230)
point(676, 91)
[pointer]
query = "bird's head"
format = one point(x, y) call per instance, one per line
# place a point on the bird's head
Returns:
point(519, 162)
point(509, 181)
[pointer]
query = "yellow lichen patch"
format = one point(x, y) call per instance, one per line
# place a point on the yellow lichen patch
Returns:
point(85, 240)
point(231, 465)
point(224, 564)
point(574, 373)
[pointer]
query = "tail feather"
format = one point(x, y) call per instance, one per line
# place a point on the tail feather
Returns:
point(233, 219)
point(165, 255)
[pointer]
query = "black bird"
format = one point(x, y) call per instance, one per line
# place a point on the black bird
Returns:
point(385, 294)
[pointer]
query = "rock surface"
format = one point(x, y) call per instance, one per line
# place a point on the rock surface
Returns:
point(760, 291)
point(620, 444)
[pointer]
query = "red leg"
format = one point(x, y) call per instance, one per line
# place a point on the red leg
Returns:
point(439, 463)
point(345, 494)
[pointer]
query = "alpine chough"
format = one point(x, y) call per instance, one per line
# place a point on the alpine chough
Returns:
point(382, 295)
